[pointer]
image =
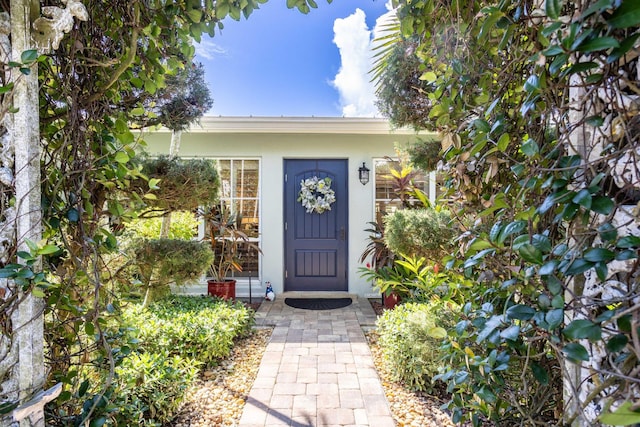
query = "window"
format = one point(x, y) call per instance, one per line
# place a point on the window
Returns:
point(387, 200)
point(240, 191)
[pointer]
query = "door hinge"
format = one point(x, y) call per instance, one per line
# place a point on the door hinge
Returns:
point(286, 177)
point(286, 274)
point(286, 226)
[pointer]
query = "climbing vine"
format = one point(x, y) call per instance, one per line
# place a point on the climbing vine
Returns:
point(537, 104)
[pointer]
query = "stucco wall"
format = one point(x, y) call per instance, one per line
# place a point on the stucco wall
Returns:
point(272, 146)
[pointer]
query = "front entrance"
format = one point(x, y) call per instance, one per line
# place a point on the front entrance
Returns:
point(315, 244)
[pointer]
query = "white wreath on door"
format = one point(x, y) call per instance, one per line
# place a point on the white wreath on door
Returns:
point(316, 194)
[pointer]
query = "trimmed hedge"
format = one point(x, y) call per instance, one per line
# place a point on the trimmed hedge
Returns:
point(200, 328)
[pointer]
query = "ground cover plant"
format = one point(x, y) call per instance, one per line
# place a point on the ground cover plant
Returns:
point(536, 105)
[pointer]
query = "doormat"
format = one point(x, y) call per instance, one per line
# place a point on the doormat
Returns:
point(317, 303)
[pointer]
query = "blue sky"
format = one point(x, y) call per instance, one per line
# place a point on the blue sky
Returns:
point(281, 62)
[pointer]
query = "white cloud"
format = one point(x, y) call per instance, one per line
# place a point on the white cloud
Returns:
point(208, 49)
point(354, 41)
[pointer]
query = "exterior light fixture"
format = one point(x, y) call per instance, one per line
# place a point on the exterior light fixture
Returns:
point(363, 174)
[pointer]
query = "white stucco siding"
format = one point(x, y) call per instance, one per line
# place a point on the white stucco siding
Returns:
point(280, 139)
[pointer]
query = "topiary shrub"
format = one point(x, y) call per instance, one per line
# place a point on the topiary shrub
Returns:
point(201, 328)
point(183, 184)
point(410, 339)
point(419, 232)
point(160, 262)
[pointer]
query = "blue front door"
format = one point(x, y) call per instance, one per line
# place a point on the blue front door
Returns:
point(315, 243)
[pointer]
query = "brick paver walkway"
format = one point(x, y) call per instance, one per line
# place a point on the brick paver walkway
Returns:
point(317, 370)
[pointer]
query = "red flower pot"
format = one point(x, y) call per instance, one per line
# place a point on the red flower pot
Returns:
point(225, 290)
point(391, 300)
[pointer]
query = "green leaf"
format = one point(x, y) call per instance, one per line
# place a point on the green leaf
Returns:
point(121, 157)
point(628, 242)
point(511, 333)
point(558, 63)
point(554, 318)
point(583, 329)
point(553, 50)
point(503, 142)
point(429, 77)
point(602, 205)
point(548, 268)
point(626, 255)
point(195, 15)
point(600, 43)
point(539, 373)
point(494, 233)
point(489, 327)
point(578, 266)
point(520, 312)
point(598, 255)
point(530, 253)
point(602, 271)
point(554, 285)
point(511, 228)
point(600, 5)
point(617, 343)
point(595, 121)
point(7, 407)
point(29, 56)
point(437, 333)
point(73, 215)
point(553, 8)
point(48, 249)
point(575, 352)
point(623, 416)
point(627, 15)
point(479, 244)
point(608, 232)
point(583, 198)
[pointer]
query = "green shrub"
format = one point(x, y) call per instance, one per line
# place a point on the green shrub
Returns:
point(410, 339)
point(201, 328)
point(160, 262)
point(184, 184)
point(151, 388)
point(419, 232)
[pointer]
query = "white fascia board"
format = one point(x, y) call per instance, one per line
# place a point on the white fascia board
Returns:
point(298, 125)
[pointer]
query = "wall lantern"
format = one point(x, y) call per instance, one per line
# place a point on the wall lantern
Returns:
point(363, 174)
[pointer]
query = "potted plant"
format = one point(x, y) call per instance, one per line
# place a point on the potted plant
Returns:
point(228, 242)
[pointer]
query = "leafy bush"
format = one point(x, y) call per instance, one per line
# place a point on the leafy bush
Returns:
point(152, 387)
point(413, 277)
point(494, 373)
point(419, 232)
point(201, 328)
point(410, 339)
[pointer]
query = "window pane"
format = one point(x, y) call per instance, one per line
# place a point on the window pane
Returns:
point(239, 181)
point(224, 168)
